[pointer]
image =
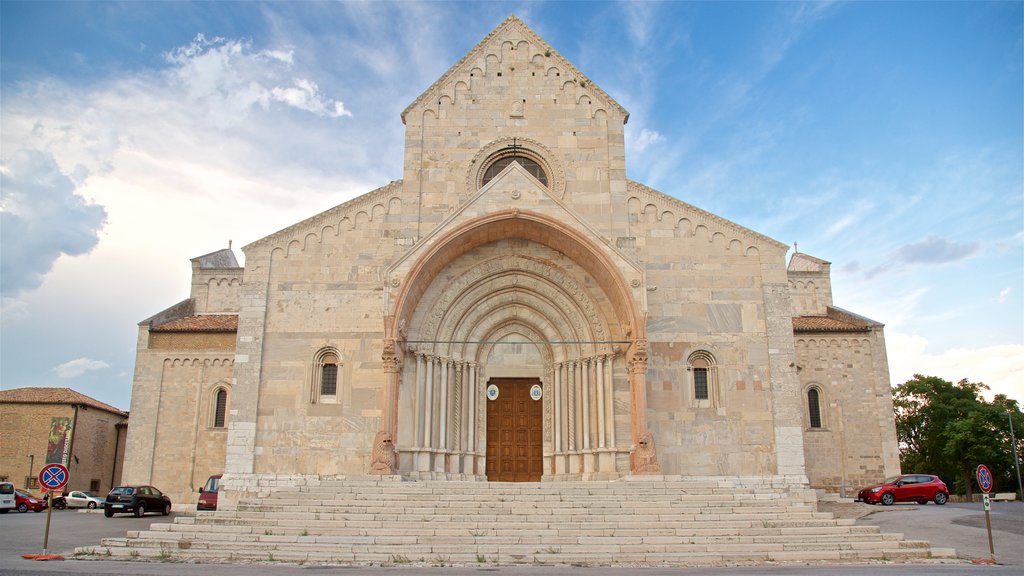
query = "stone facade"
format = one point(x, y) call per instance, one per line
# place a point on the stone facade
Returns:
point(95, 442)
point(513, 246)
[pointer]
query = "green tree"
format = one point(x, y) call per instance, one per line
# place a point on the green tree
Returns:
point(949, 429)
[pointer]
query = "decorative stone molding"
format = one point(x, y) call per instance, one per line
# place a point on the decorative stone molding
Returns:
point(522, 146)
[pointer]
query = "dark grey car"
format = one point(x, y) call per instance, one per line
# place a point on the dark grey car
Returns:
point(137, 500)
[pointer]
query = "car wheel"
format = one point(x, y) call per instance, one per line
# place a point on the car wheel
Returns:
point(888, 499)
point(167, 509)
point(140, 511)
point(92, 505)
point(941, 498)
point(22, 508)
point(108, 512)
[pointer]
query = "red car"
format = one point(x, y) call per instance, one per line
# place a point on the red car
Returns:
point(208, 493)
point(26, 501)
point(920, 488)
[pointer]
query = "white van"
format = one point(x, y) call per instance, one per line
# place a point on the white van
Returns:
point(6, 497)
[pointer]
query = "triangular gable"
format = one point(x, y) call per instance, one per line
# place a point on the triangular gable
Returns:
point(511, 29)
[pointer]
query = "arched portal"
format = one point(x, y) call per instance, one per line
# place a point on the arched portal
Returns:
point(520, 297)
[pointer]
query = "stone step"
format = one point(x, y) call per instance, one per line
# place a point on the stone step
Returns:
point(600, 523)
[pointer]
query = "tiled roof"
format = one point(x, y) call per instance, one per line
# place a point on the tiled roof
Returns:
point(202, 323)
point(33, 395)
point(825, 324)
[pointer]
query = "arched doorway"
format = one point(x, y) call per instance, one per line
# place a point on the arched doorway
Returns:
point(522, 296)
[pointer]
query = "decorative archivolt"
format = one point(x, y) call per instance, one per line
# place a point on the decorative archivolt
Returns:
point(548, 286)
point(512, 330)
point(522, 146)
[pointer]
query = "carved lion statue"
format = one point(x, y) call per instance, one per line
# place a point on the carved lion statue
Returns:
point(644, 460)
point(383, 461)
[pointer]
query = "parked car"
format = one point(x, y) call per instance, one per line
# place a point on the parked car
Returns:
point(137, 500)
point(25, 501)
point(82, 499)
point(920, 488)
point(208, 493)
point(8, 500)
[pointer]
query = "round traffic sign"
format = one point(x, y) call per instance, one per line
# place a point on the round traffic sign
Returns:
point(984, 478)
point(53, 476)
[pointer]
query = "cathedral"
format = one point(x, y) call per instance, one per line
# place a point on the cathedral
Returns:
point(512, 309)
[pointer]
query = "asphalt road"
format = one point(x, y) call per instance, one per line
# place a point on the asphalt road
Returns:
point(953, 525)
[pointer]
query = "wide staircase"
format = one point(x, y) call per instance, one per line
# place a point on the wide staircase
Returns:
point(653, 522)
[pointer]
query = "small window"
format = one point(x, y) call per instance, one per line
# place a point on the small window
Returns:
point(702, 368)
point(329, 377)
point(814, 407)
point(220, 407)
point(529, 164)
point(94, 485)
point(326, 377)
point(700, 383)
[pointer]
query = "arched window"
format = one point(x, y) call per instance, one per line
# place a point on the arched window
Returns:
point(326, 377)
point(220, 407)
point(531, 166)
point(704, 378)
point(814, 407)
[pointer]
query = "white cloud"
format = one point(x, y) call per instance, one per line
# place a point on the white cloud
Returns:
point(1004, 295)
point(79, 366)
point(41, 217)
point(228, 78)
point(1001, 367)
point(645, 138)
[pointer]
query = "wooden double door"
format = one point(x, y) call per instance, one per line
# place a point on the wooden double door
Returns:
point(515, 432)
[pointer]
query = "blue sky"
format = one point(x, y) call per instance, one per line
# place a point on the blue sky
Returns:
point(886, 138)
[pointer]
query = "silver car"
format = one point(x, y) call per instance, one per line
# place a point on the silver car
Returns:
point(82, 499)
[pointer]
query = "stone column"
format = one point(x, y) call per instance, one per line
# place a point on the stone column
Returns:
point(474, 403)
point(571, 394)
point(556, 409)
point(585, 400)
point(644, 459)
point(392, 375)
point(421, 385)
point(428, 402)
point(444, 400)
point(601, 392)
point(609, 383)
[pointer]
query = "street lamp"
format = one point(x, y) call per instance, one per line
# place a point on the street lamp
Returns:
point(1016, 459)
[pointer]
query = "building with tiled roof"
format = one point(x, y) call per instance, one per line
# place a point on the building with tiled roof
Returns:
point(42, 426)
point(512, 308)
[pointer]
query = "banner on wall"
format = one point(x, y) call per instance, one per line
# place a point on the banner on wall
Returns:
point(59, 444)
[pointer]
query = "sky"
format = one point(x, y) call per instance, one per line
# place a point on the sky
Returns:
point(886, 138)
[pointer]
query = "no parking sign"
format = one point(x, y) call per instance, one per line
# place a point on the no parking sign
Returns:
point(53, 477)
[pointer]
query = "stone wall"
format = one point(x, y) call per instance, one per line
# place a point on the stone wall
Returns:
point(856, 444)
point(172, 442)
point(25, 429)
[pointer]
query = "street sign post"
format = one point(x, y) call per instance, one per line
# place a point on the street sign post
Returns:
point(985, 483)
point(53, 477)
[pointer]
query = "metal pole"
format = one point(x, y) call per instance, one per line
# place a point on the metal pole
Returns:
point(1016, 459)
